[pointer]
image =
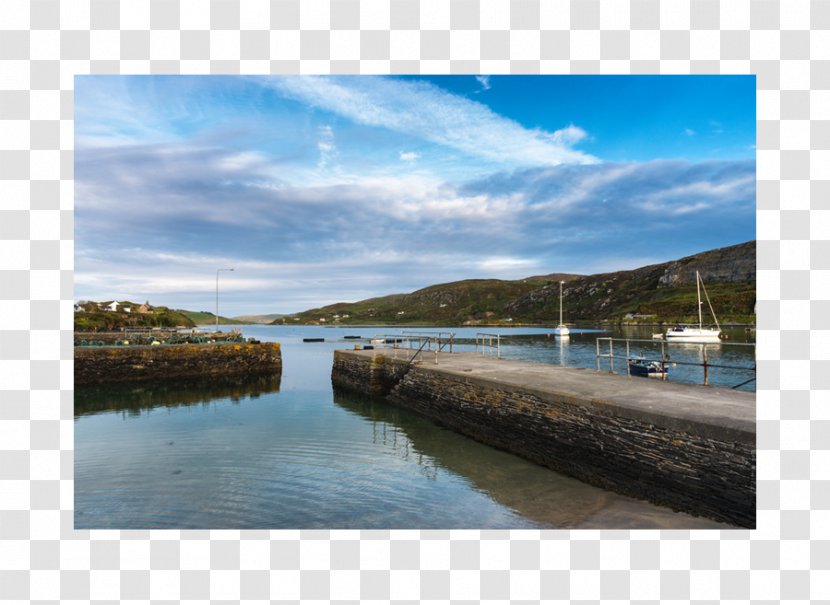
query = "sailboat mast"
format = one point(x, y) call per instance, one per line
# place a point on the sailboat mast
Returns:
point(560, 303)
point(699, 302)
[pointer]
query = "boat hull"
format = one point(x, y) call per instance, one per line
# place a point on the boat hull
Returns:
point(647, 369)
point(694, 336)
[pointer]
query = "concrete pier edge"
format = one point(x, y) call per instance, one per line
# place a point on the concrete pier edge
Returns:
point(688, 447)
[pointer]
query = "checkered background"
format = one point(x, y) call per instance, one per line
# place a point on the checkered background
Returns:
point(44, 43)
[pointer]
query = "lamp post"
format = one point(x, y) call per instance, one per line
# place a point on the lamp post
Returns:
point(217, 296)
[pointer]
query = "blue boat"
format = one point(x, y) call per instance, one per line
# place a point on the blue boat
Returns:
point(647, 368)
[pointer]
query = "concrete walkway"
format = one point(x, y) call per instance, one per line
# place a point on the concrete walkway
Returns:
point(712, 410)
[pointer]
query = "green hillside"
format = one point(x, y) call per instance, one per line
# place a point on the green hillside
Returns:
point(445, 303)
point(663, 292)
point(94, 320)
point(258, 319)
point(202, 318)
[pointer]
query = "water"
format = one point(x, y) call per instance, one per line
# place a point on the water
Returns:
point(292, 453)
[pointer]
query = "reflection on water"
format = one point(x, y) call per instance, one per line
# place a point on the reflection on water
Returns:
point(532, 491)
point(265, 453)
point(132, 398)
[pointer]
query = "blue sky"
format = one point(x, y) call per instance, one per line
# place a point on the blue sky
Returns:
point(325, 189)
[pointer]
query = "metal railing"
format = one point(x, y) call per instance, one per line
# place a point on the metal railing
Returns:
point(441, 339)
point(419, 342)
point(484, 343)
point(665, 359)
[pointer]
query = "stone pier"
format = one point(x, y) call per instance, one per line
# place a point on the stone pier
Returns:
point(99, 365)
point(688, 447)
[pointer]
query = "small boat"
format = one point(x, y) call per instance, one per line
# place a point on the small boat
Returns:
point(647, 368)
point(351, 337)
point(689, 333)
point(314, 339)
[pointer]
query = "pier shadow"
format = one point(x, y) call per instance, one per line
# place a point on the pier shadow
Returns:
point(133, 398)
point(530, 490)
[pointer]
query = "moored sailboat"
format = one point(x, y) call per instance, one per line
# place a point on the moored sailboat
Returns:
point(562, 330)
point(691, 333)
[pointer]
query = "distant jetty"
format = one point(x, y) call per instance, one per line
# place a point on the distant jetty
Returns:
point(107, 362)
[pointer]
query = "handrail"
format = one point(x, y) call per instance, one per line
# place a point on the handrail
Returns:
point(667, 359)
point(418, 352)
point(439, 336)
point(424, 340)
point(489, 338)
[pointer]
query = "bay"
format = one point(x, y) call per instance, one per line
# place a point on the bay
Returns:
point(293, 453)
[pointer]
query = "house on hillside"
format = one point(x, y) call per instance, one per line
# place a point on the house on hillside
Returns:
point(88, 306)
point(146, 307)
point(109, 306)
point(639, 316)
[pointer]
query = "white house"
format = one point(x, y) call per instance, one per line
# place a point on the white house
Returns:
point(113, 306)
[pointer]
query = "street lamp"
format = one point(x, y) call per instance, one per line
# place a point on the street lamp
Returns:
point(217, 296)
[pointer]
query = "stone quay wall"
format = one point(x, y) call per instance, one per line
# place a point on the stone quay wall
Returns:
point(170, 362)
point(703, 469)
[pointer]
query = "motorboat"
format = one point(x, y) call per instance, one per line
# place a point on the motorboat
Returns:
point(647, 368)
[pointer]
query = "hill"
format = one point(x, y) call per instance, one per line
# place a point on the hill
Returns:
point(661, 292)
point(667, 290)
point(203, 318)
point(258, 319)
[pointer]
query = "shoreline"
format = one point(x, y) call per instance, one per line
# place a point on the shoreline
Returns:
point(550, 325)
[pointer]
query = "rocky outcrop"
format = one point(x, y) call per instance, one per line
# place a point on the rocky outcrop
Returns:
point(655, 289)
point(724, 265)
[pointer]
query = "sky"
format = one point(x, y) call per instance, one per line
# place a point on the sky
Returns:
point(320, 189)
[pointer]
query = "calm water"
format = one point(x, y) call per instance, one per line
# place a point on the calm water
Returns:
point(292, 453)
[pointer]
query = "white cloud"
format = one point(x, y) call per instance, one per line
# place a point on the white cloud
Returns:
point(499, 264)
point(570, 135)
point(419, 109)
point(484, 81)
point(409, 156)
point(326, 147)
point(689, 132)
point(246, 160)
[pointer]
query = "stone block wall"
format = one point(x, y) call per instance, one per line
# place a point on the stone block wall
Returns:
point(707, 472)
point(171, 362)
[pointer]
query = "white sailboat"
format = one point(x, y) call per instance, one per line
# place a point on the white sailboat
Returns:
point(562, 330)
point(690, 333)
